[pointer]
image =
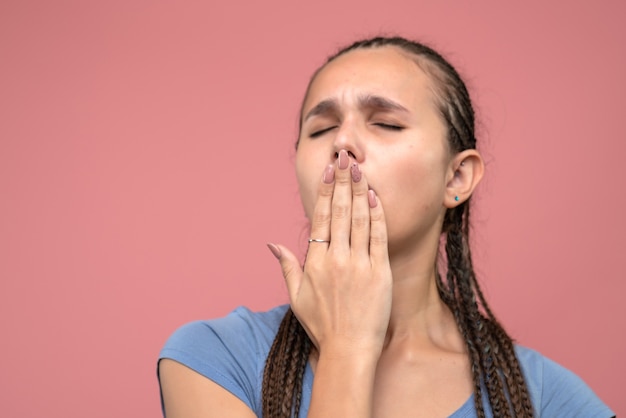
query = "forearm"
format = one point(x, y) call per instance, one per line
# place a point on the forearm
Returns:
point(343, 386)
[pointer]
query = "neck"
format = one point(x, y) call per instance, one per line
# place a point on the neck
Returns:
point(417, 312)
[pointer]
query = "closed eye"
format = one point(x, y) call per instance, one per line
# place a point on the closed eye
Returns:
point(389, 126)
point(321, 132)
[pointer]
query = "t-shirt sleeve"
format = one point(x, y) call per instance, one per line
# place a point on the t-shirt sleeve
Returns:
point(560, 392)
point(230, 351)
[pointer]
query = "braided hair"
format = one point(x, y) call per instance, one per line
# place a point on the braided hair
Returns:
point(495, 368)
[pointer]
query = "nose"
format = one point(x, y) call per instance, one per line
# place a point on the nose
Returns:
point(349, 138)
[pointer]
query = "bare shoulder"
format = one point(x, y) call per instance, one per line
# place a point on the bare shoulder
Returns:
point(188, 394)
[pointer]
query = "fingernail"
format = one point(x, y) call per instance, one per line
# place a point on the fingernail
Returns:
point(356, 172)
point(371, 198)
point(275, 250)
point(344, 160)
point(329, 174)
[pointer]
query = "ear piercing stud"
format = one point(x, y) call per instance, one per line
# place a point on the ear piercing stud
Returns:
point(456, 198)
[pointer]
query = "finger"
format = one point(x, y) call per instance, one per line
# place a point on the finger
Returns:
point(341, 206)
point(360, 225)
point(292, 272)
point(378, 244)
point(320, 222)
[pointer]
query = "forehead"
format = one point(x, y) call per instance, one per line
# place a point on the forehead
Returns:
point(384, 71)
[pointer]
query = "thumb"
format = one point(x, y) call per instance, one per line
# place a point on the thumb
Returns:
point(292, 271)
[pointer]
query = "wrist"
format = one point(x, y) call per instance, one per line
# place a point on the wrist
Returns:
point(355, 354)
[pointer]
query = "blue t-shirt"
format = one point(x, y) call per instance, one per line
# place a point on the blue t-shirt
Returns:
point(231, 351)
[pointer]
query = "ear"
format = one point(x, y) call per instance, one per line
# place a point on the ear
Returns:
point(465, 171)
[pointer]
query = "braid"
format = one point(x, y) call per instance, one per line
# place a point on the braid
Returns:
point(511, 368)
point(460, 311)
point(284, 369)
point(499, 368)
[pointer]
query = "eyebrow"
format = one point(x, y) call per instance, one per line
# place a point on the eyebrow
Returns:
point(368, 101)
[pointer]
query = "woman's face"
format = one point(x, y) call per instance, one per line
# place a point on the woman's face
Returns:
point(378, 105)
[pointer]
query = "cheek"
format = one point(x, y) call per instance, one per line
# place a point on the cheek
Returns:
point(307, 185)
point(420, 182)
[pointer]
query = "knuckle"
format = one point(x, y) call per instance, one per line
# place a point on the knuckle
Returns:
point(377, 216)
point(340, 211)
point(313, 269)
point(378, 239)
point(359, 191)
point(360, 222)
point(321, 219)
point(287, 270)
point(338, 263)
point(326, 191)
point(343, 180)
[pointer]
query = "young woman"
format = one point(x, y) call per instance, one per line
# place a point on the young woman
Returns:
point(386, 163)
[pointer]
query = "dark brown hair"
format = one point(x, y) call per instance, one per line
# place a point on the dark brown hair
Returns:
point(494, 365)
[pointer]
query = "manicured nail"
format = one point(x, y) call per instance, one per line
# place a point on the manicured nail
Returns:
point(371, 198)
point(329, 174)
point(356, 173)
point(344, 160)
point(275, 250)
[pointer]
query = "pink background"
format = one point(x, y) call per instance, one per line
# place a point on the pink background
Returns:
point(146, 156)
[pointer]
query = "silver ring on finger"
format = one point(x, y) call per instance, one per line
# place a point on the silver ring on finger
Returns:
point(317, 240)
